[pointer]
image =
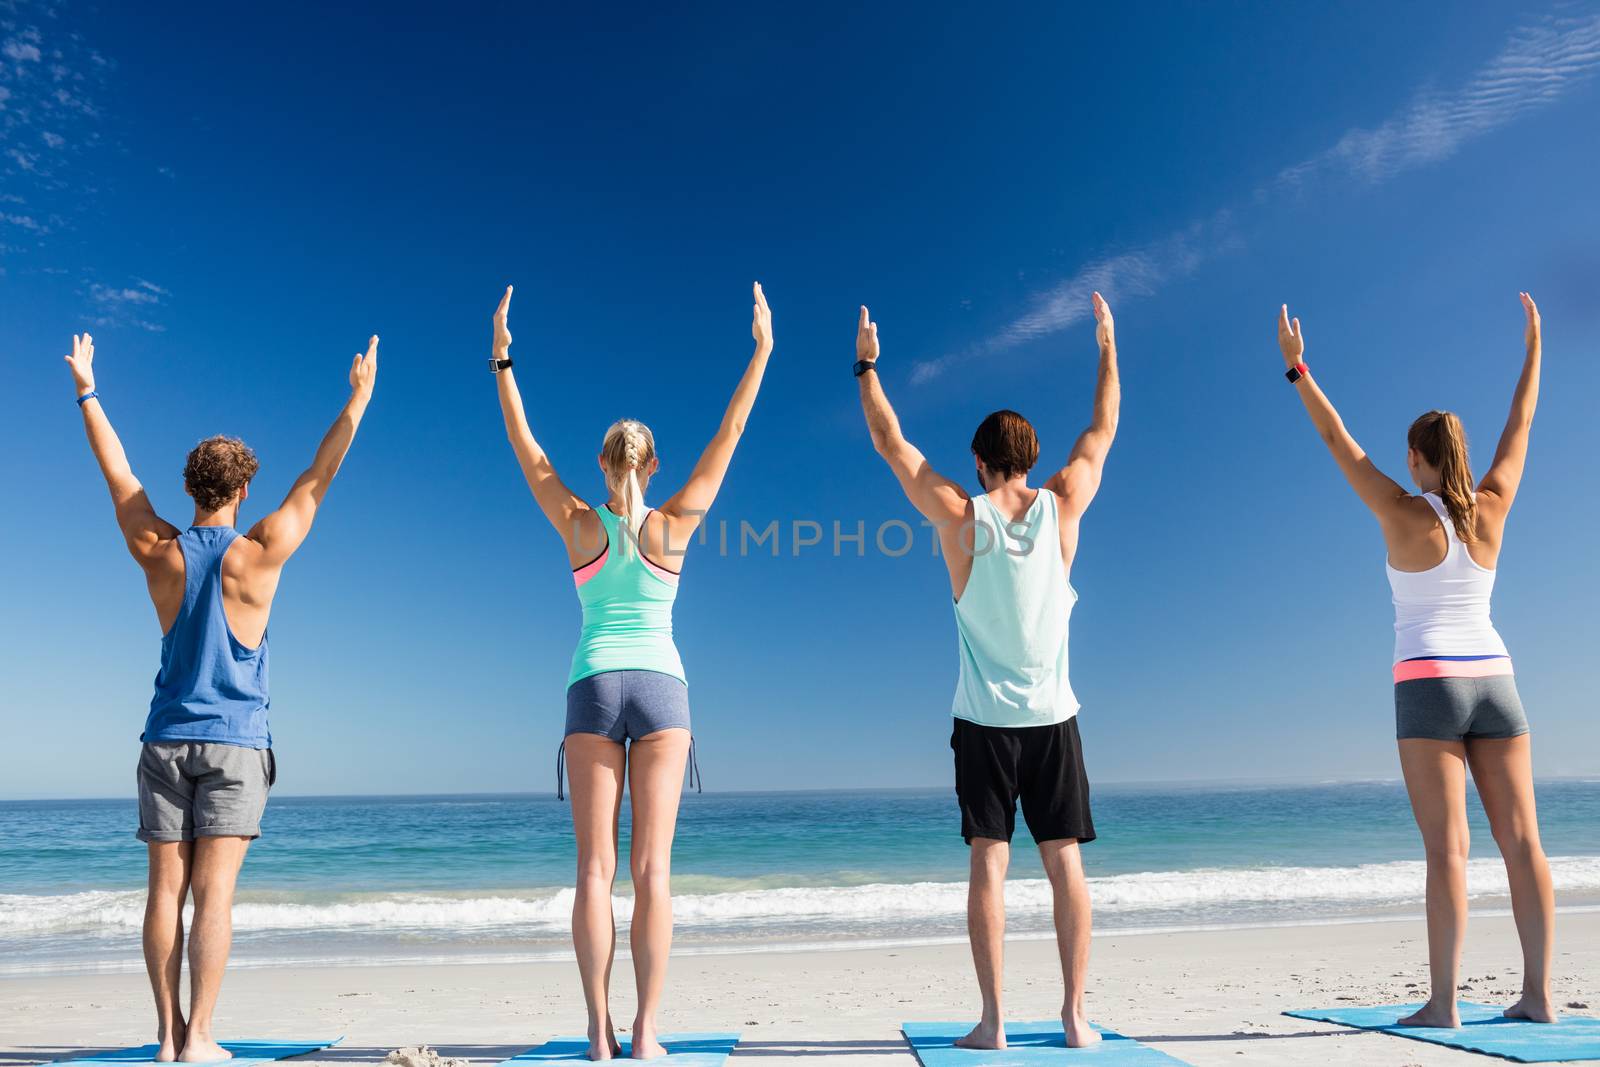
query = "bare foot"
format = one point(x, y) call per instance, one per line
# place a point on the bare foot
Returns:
point(1534, 1007)
point(197, 1049)
point(603, 1048)
point(1079, 1033)
point(645, 1046)
point(169, 1045)
point(984, 1035)
point(1430, 1014)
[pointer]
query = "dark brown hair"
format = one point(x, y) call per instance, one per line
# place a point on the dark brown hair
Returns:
point(1438, 438)
point(217, 469)
point(1006, 443)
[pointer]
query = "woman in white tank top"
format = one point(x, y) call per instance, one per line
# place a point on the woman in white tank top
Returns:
point(1456, 703)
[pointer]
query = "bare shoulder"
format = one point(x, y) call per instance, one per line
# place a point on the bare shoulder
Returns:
point(162, 556)
point(245, 554)
point(1411, 514)
point(1492, 512)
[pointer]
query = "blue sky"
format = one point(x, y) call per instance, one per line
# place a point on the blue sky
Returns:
point(233, 201)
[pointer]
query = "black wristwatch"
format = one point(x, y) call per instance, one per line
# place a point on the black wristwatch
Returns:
point(864, 365)
point(498, 365)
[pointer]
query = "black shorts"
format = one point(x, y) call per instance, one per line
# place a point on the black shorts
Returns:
point(1040, 765)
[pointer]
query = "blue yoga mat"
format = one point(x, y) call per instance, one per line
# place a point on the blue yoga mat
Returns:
point(1028, 1045)
point(683, 1050)
point(243, 1052)
point(1483, 1029)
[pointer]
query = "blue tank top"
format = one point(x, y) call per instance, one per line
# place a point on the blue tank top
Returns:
point(210, 687)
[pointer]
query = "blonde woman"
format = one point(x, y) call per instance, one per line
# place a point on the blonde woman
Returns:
point(1456, 703)
point(627, 700)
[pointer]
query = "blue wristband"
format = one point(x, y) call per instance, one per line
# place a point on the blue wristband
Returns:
point(90, 395)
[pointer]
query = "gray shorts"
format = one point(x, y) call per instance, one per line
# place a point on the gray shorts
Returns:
point(627, 705)
point(1458, 709)
point(190, 789)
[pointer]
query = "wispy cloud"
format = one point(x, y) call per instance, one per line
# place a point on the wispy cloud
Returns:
point(1539, 64)
point(49, 120)
point(127, 305)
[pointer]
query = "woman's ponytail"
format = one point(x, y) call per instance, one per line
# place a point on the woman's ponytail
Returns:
point(1438, 437)
point(628, 450)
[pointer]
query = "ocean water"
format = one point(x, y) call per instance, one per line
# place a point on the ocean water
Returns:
point(467, 877)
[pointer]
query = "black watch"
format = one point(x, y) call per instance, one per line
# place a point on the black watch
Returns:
point(864, 365)
point(498, 365)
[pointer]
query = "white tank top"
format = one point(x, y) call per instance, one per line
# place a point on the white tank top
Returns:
point(1011, 620)
point(1444, 611)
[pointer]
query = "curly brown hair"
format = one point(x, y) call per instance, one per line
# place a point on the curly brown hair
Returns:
point(217, 469)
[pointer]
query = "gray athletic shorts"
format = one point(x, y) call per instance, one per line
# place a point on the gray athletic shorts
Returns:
point(1457, 709)
point(190, 789)
point(627, 705)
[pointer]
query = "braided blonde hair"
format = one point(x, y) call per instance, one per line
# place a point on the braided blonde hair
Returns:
point(627, 453)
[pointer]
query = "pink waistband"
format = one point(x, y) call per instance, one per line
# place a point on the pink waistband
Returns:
point(1412, 669)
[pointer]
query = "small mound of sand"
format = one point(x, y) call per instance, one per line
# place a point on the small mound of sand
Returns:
point(421, 1056)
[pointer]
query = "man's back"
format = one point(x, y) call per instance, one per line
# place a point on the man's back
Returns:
point(212, 686)
point(1012, 617)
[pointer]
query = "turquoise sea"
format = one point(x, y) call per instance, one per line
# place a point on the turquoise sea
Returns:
point(410, 878)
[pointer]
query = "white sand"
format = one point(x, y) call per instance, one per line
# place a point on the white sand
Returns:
point(1207, 997)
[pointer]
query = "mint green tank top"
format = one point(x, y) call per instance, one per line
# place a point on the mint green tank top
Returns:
point(1012, 618)
point(627, 609)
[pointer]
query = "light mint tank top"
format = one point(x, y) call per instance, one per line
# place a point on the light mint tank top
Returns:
point(627, 609)
point(1011, 620)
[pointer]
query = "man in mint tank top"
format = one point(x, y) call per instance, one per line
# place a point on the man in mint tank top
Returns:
point(206, 762)
point(1009, 551)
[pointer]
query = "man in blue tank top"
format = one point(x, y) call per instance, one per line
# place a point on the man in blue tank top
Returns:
point(1009, 552)
point(206, 763)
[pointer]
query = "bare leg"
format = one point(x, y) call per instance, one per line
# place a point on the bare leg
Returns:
point(214, 873)
point(1070, 892)
point(1503, 771)
point(163, 941)
point(986, 929)
point(655, 782)
point(1436, 778)
point(595, 765)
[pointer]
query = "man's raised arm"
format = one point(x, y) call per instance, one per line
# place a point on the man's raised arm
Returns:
point(1079, 480)
point(938, 498)
point(141, 527)
point(283, 531)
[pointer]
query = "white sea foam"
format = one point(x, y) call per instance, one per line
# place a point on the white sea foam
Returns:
point(1209, 895)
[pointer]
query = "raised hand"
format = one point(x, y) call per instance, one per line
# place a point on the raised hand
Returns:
point(1530, 309)
point(1290, 339)
point(866, 338)
point(502, 332)
point(82, 363)
point(760, 320)
point(1105, 327)
point(364, 369)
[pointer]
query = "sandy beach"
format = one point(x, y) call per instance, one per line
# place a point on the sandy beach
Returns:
point(1207, 997)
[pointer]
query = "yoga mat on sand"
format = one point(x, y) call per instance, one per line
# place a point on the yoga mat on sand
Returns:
point(1027, 1045)
point(243, 1052)
point(683, 1050)
point(1483, 1029)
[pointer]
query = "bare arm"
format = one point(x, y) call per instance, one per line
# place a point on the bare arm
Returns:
point(1077, 482)
point(559, 504)
point(1380, 493)
point(1505, 473)
point(939, 499)
point(141, 527)
point(690, 503)
point(283, 531)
